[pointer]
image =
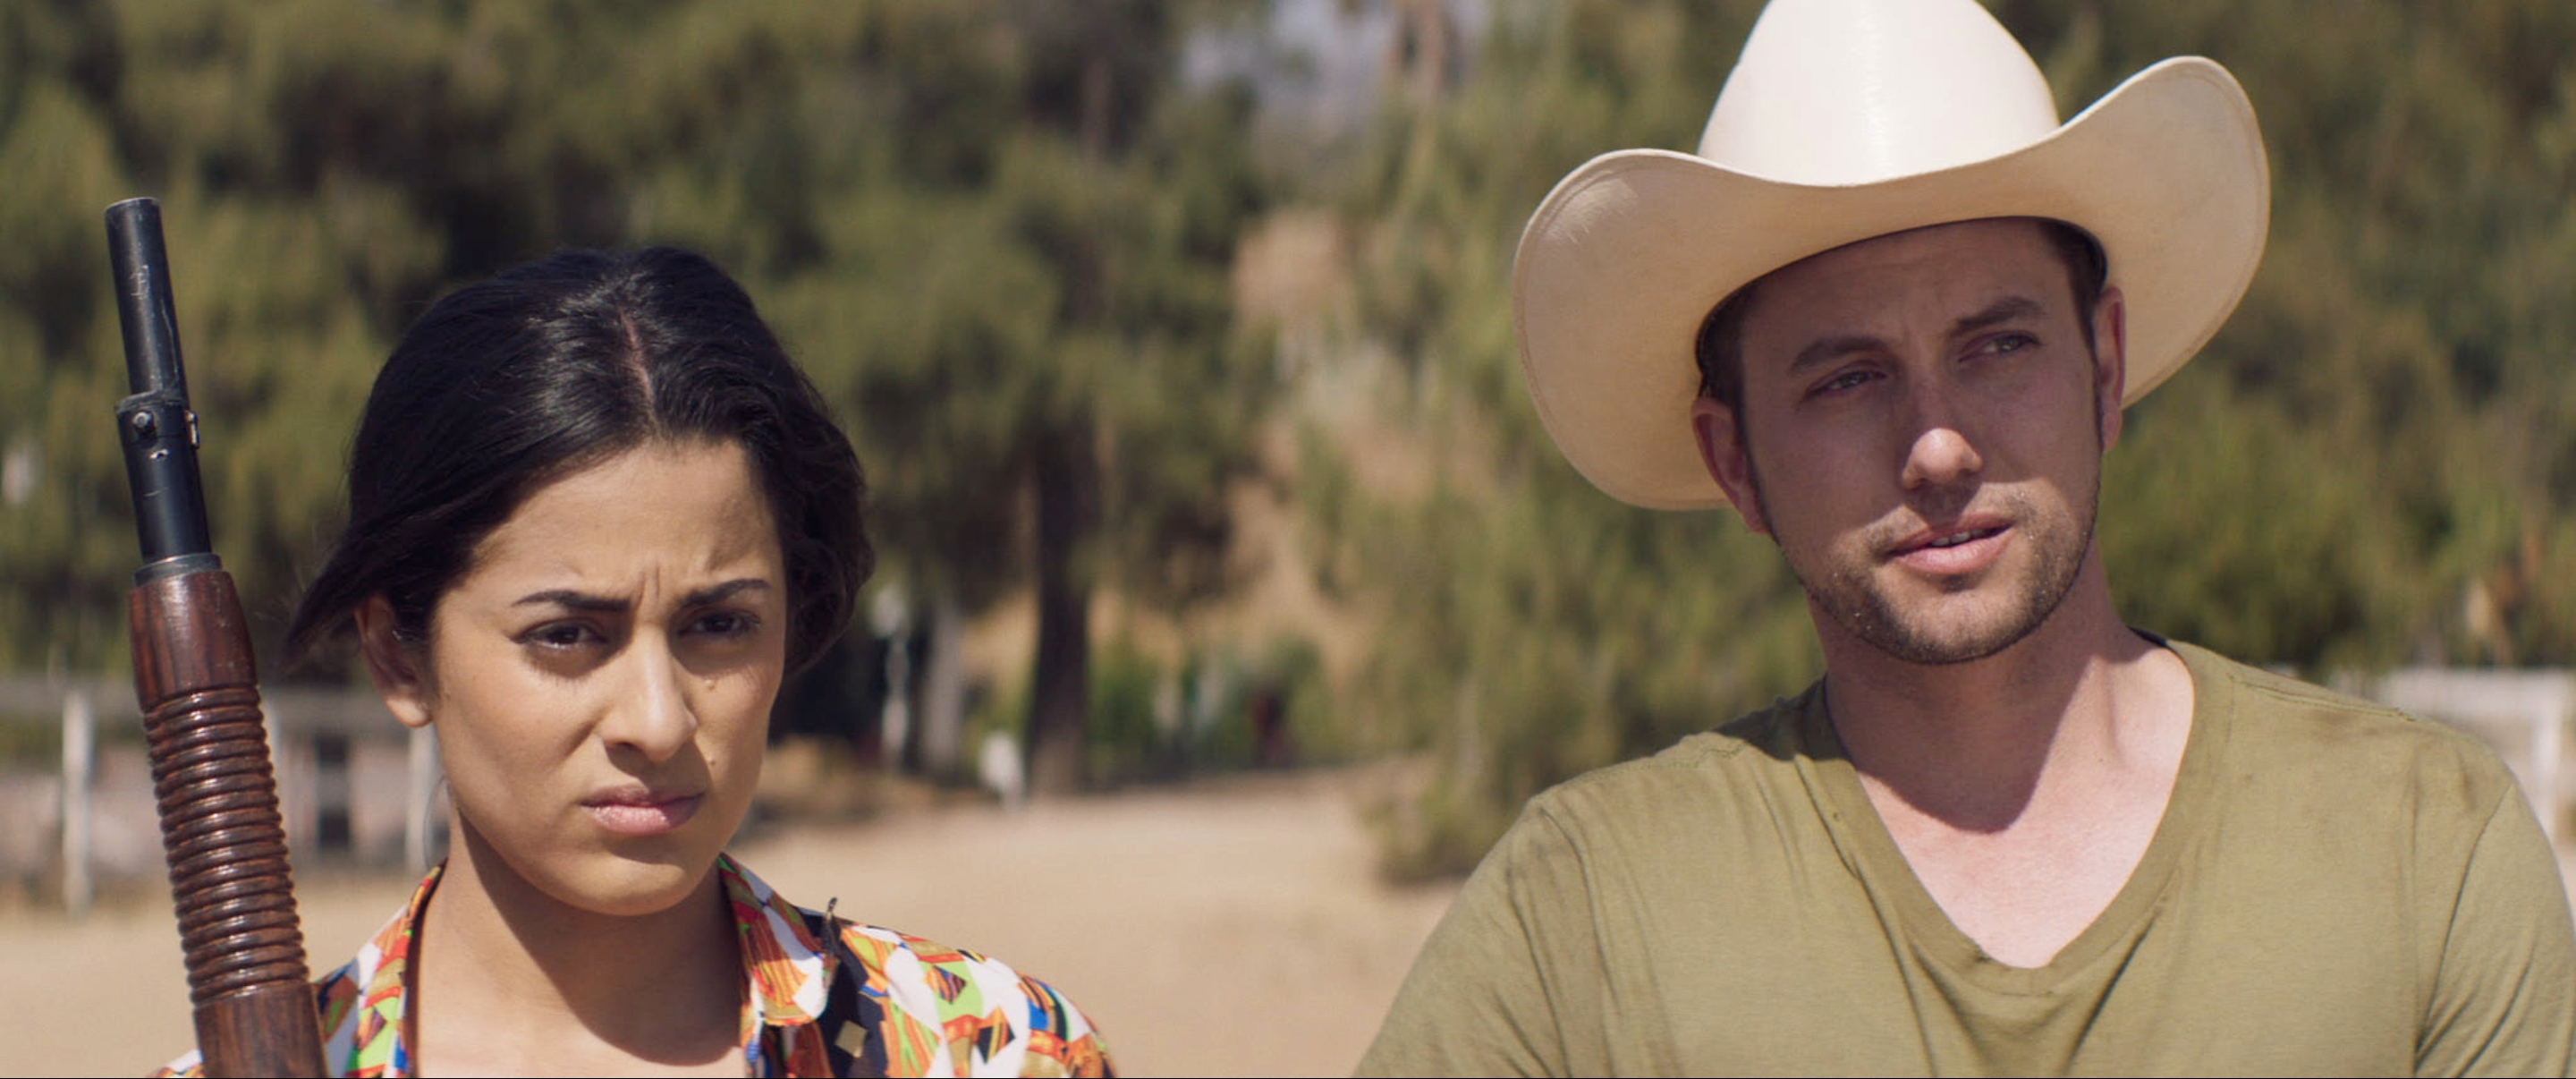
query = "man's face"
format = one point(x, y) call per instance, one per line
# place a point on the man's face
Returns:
point(1922, 430)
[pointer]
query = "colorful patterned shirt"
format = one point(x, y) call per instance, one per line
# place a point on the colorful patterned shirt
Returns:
point(881, 1003)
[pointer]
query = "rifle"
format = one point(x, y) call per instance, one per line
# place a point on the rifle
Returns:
point(195, 680)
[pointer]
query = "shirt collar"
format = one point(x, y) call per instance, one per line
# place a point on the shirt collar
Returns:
point(783, 962)
point(781, 955)
point(365, 1030)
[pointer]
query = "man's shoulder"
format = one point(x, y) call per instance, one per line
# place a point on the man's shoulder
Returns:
point(2283, 727)
point(1748, 771)
point(1769, 734)
point(2267, 696)
point(2279, 690)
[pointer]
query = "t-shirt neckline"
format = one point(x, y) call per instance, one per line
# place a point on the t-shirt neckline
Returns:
point(1893, 886)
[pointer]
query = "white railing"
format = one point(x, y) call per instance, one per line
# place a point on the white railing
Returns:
point(2521, 714)
point(337, 755)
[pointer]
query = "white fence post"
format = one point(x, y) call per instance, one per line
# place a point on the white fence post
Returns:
point(80, 771)
point(2548, 731)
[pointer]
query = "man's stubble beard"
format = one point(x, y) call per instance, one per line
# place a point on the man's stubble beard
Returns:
point(1851, 597)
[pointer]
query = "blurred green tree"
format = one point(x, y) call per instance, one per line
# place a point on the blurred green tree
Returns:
point(997, 236)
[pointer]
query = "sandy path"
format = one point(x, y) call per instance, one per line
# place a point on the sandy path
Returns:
point(107, 995)
point(1229, 928)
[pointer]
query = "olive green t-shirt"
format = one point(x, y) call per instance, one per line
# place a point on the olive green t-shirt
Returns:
point(2334, 889)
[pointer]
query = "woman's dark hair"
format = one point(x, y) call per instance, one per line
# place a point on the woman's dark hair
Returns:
point(549, 368)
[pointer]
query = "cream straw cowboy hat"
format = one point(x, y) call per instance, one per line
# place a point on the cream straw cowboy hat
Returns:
point(1848, 119)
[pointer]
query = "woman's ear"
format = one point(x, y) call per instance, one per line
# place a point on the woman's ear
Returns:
point(398, 667)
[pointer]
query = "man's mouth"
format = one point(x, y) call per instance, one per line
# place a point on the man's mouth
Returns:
point(1953, 547)
point(1956, 538)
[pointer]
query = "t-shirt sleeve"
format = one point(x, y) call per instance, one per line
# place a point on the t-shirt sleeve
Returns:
point(2504, 996)
point(1484, 996)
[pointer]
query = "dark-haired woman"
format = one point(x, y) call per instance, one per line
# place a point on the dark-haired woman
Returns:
point(596, 517)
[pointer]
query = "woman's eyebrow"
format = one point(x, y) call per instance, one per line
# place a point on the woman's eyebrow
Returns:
point(582, 601)
point(575, 600)
point(725, 591)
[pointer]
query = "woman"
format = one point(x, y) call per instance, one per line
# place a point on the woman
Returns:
point(596, 517)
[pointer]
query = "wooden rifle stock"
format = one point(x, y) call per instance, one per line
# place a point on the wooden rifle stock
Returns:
point(195, 679)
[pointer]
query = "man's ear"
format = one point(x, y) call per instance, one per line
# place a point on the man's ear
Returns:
point(2110, 361)
point(398, 667)
point(1721, 448)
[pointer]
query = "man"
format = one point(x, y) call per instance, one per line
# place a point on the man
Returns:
point(2005, 832)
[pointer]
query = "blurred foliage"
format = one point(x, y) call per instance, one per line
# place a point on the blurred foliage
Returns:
point(995, 235)
point(34, 743)
point(1216, 710)
point(2372, 464)
point(1001, 237)
point(1542, 629)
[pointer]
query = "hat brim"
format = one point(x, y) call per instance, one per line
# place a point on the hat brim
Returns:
point(1623, 260)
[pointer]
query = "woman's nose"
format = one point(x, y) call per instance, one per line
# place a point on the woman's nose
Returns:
point(655, 716)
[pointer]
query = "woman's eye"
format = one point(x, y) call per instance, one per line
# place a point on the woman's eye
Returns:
point(560, 635)
point(727, 624)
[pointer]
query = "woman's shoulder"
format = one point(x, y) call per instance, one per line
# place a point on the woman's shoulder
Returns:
point(929, 1008)
point(335, 995)
point(899, 1004)
point(931, 978)
point(359, 1005)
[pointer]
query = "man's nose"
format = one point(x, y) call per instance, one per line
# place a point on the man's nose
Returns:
point(655, 717)
point(1940, 452)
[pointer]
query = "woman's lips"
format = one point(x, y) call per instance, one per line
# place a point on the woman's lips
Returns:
point(641, 814)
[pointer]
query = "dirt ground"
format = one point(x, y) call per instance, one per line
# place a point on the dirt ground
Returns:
point(1232, 927)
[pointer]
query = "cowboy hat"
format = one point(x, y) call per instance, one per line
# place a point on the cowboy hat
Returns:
point(1845, 120)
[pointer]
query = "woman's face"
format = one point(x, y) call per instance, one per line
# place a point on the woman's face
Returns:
point(600, 677)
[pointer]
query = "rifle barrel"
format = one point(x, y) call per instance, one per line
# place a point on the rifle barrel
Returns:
point(143, 305)
point(156, 427)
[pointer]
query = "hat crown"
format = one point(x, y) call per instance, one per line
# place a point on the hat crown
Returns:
point(1833, 92)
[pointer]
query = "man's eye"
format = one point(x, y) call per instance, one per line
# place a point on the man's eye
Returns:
point(1844, 381)
point(2011, 342)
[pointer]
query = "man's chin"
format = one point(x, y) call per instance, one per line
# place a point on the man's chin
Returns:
point(1947, 650)
point(1941, 630)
